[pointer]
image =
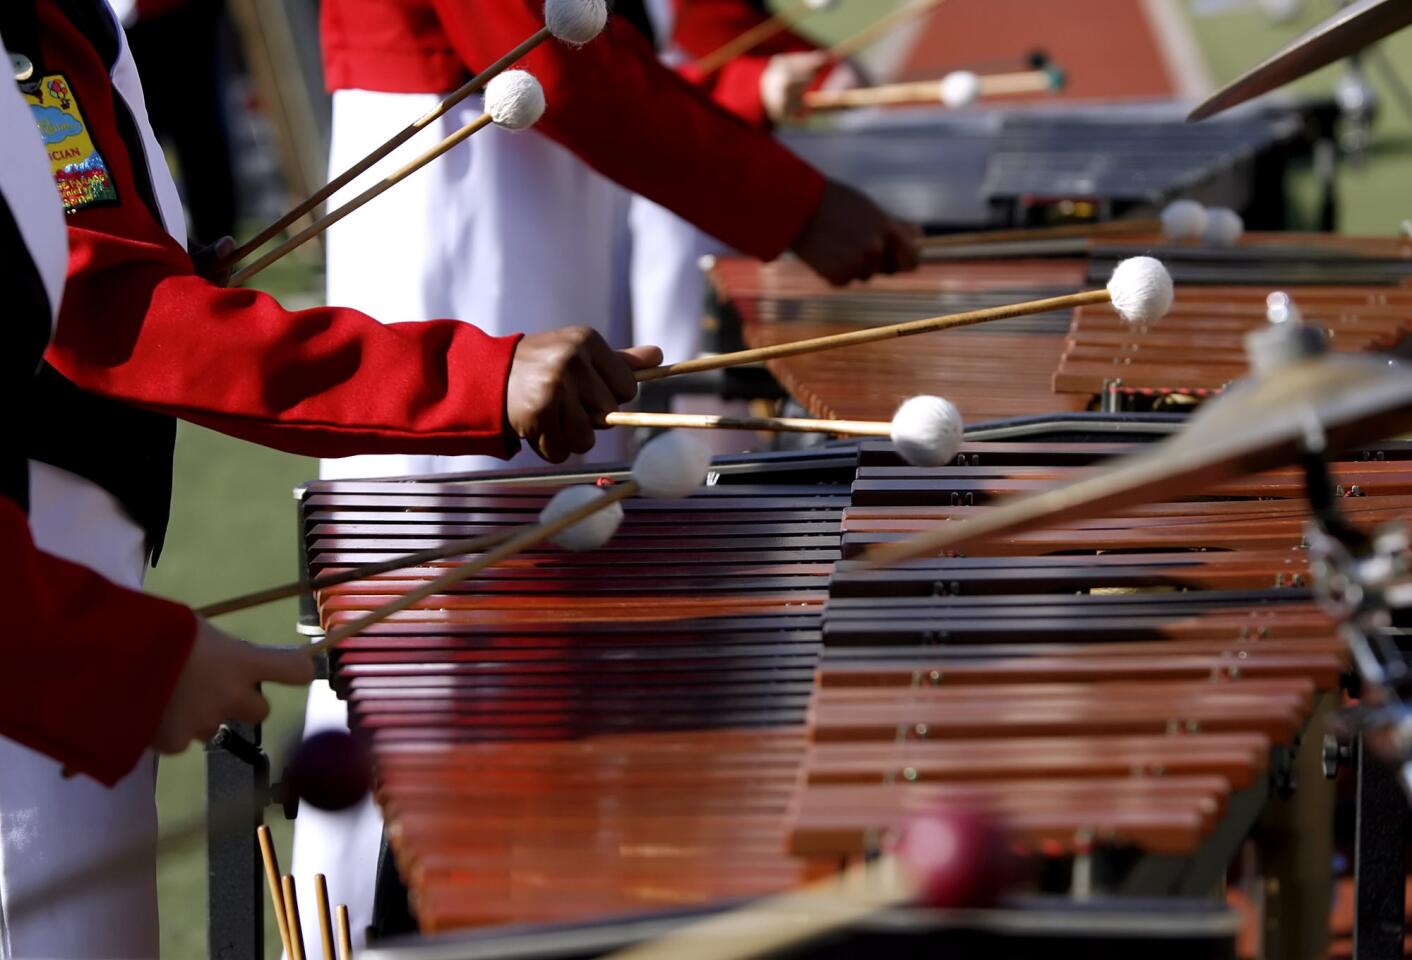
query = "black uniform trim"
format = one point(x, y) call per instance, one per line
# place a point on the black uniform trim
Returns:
point(126, 451)
point(27, 302)
point(635, 13)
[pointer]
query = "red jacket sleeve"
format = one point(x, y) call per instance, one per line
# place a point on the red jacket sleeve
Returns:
point(635, 121)
point(137, 325)
point(89, 666)
point(704, 26)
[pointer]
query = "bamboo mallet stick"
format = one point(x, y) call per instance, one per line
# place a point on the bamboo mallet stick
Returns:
point(748, 40)
point(297, 587)
point(524, 539)
point(872, 335)
point(345, 933)
point(785, 920)
point(325, 920)
point(271, 860)
point(693, 421)
point(372, 193)
point(927, 91)
point(1140, 290)
point(879, 28)
point(1023, 81)
point(291, 910)
point(469, 88)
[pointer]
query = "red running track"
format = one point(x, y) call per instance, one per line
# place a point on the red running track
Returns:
point(1108, 48)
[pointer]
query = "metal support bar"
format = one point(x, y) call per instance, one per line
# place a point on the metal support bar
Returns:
point(237, 789)
point(1379, 860)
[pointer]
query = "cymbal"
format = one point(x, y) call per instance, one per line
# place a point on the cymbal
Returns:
point(1346, 32)
point(1258, 424)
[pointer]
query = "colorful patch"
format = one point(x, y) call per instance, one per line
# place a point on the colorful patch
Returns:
point(79, 171)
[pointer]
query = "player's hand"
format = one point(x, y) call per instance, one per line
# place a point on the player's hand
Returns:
point(562, 381)
point(212, 262)
point(784, 80)
point(221, 681)
point(847, 75)
point(849, 238)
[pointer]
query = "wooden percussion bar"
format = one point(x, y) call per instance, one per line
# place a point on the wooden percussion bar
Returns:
point(1032, 670)
point(1358, 288)
point(578, 735)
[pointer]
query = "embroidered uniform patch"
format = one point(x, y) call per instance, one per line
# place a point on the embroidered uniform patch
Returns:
point(79, 171)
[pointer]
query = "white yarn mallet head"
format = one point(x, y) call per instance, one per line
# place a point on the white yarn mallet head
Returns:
point(820, 4)
point(671, 466)
point(1183, 220)
point(1224, 228)
point(1141, 290)
point(594, 530)
point(960, 88)
point(927, 431)
point(514, 100)
point(575, 22)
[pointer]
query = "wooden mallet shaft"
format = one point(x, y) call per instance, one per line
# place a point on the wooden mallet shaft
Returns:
point(694, 421)
point(291, 910)
point(925, 92)
point(520, 541)
point(787, 920)
point(271, 860)
point(472, 86)
point(1023, 81)
point(874, 334)
point(298, 587)
point(345, 933)
point(748, 40)
point(879, 28)
point(325, 919)
point(372, 193)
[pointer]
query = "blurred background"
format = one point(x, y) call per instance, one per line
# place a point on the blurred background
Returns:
point(234, 517)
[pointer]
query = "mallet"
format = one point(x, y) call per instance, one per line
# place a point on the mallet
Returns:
point(1140, 289)
point(574, 22)
point(927, 430)
point(513, 100)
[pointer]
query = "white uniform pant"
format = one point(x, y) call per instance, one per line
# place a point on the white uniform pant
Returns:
point(668, 291)
point(668, 286)
point(53, 828)
point(508, 231)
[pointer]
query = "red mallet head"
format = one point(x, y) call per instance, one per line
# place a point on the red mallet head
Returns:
point(331, 770)
point(956, 856)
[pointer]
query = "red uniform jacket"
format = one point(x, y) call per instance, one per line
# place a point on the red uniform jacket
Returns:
point(138, 325)
point(704, 26)
point(89, 666)
point(611, 102)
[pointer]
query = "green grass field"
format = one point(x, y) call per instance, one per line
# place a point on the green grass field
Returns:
point(233, 526)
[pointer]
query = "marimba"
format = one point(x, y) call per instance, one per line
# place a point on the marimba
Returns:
point(1013, 165)
point(723, 704)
